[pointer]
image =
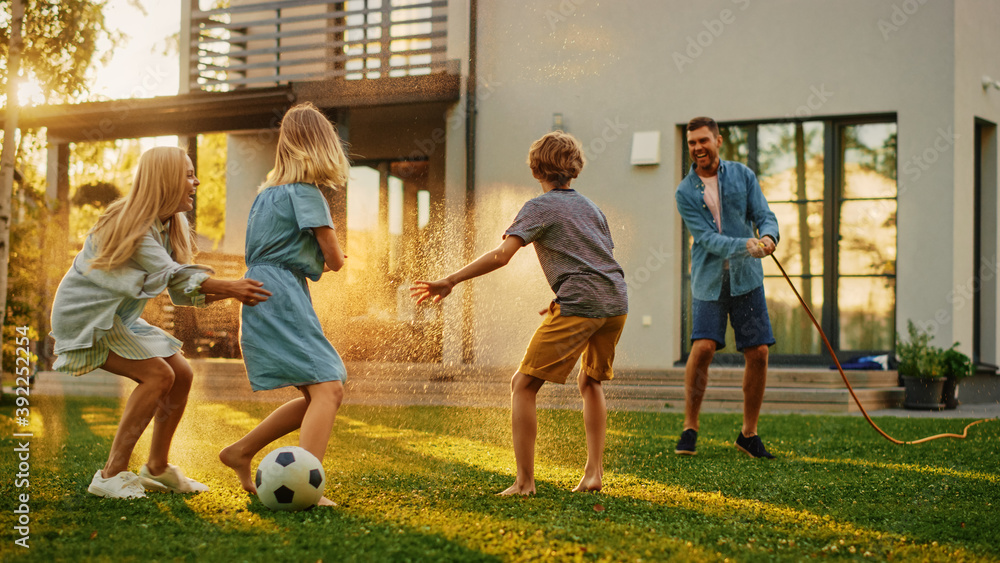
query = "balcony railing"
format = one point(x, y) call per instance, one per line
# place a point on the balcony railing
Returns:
point(273, 43)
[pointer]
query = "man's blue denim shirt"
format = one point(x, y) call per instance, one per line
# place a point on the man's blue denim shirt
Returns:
point(742, 209)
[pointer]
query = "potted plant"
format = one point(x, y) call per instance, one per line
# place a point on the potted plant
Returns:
point(920, 369)
point(954, 366)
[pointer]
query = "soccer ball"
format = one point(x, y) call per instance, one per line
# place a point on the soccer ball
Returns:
point(290, 478)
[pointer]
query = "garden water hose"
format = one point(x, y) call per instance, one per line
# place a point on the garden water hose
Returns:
point(848, 384)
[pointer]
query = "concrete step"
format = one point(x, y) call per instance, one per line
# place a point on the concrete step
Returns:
point(812, 378)
point(416, 384)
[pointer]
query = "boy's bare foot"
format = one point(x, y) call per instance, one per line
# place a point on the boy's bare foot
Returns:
point(241, 465)
point(325, 502)
point(518, 489)
point(588, 484)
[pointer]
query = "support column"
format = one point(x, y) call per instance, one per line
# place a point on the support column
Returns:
point(191, 145)
point(55, 234)
point(57, 186)
point(458, 341)
point(249, 157)
point(185, 46)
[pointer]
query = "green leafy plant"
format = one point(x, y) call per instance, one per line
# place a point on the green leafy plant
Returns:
point(955, 364)
point(916, 356)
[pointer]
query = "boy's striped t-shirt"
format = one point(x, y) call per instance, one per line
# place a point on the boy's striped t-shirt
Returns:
point(574, 247)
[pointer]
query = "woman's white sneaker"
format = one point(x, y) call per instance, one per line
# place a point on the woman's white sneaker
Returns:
point(172, 480)
point(124, 485)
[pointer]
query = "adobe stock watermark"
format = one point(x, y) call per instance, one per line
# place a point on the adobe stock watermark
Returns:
point(916, 165)
point(900, 16)
point(961, 296)
point(816, 100)
point(149, 80)
point(656, 259)
point(612, 131)
point(695, 45)
point(563, 11)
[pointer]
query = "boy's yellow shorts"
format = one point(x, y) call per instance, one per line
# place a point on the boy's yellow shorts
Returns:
point(559, 342)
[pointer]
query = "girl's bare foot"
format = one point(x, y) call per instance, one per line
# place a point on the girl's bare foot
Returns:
point(241, 465)
point(325, 502)
point(588, 484)
point(518, 489)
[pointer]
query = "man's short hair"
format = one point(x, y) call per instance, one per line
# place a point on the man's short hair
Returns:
point(699, 122)
point(556, 158)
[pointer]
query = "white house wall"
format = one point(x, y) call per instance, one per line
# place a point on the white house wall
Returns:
point(250, 156)
point(977, 53)
point(614, 68)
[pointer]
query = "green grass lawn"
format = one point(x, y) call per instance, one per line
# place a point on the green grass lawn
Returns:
point(419, 483)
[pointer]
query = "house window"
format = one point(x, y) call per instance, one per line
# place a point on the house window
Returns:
point(832, 186)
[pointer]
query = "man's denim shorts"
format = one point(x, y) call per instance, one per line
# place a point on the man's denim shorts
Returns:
point(747, 312)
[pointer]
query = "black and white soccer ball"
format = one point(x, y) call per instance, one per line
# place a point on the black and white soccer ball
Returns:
point(290, 478)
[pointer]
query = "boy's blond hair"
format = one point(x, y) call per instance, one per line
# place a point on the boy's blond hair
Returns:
point(159, 185)
point(309, 151)
point(556, 158)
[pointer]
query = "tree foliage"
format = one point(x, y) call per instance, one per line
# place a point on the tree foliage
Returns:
point(61, 40)
point(212, 191)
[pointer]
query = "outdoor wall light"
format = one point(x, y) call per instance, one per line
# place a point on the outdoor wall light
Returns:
point(645, 148)
point(989, 82)
point(557, 122)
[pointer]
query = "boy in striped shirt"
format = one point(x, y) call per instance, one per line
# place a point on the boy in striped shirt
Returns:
point(574, 247)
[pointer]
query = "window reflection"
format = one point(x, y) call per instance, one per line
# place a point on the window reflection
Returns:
point(867, 307)
point(792, 179)
point(789, 322)
point(867, 242)
point(735, 144)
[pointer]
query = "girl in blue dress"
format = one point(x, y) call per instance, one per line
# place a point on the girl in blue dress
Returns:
point(290, 237)
point(141, 246)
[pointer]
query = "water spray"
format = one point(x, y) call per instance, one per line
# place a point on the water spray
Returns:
point(848, 384)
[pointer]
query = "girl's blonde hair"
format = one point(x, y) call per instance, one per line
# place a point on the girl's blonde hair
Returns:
point(157, 190)
point(309, 151)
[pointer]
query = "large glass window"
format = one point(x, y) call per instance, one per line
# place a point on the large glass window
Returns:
point(866, 252)
point(832, 186)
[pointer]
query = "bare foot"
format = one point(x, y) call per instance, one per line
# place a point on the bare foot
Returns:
point(518, 489)
point(588, 484)
point(241, 465)
point(325, 502)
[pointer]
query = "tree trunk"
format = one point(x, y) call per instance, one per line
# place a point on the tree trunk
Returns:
point(7, 158)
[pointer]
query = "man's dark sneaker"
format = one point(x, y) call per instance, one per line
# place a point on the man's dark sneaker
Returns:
point(686, 444)
point(752, 446)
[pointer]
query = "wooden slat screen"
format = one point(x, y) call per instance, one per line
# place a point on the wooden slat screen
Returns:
point(271, 43)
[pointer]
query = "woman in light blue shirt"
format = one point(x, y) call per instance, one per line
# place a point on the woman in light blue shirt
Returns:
point(140, 247)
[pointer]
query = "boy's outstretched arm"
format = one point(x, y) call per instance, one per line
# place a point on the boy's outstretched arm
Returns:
point(492, 260)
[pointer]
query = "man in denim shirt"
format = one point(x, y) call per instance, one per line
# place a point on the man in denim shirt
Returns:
point(725, 211)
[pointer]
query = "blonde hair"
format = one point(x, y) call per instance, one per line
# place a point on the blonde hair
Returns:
point(157, 190)
point(309, 151)
point(556, 158)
